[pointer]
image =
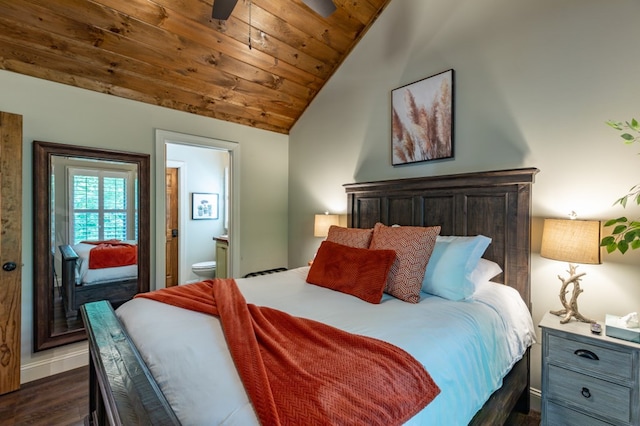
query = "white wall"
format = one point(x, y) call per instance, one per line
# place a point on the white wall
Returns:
point(58, 113)
point(534, 83)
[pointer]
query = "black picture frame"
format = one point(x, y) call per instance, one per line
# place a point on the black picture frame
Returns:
point(204, 206)
point(422, 120)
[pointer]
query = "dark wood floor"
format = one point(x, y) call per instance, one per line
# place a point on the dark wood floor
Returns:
point(517, 419)
point(62, 400)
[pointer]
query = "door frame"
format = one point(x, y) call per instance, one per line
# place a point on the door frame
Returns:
point(233, 148)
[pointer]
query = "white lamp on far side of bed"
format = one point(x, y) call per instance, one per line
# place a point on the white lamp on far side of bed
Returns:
point(573, 241)
point(323, 222)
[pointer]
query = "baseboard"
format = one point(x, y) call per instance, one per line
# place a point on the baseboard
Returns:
point(57, 364)
point(535, 400)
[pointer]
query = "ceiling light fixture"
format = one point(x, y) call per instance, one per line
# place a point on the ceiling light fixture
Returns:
point(222, 8)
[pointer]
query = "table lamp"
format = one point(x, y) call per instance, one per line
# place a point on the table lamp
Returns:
point(573, 241)
point(323, 222)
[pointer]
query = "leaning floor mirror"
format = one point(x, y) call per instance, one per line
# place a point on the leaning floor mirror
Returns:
point(91, 234)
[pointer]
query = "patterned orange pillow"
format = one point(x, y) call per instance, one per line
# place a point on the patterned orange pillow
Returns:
point(413, 246)
point(352, 237)
point(355, 271)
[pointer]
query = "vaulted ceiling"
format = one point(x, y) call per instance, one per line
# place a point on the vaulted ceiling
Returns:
point(172, 53)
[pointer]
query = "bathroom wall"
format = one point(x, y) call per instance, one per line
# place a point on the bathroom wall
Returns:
point(203, 170)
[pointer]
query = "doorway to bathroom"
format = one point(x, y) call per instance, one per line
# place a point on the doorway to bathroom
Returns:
point(172, 252)
point(195, 207)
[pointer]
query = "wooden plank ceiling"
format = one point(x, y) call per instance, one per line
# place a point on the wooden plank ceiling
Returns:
point(172, 53)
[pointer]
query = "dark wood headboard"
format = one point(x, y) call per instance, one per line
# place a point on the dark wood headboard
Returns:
point(496, 204)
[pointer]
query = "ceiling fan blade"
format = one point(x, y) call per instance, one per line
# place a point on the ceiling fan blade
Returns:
point(323, 8)
point(222, 9)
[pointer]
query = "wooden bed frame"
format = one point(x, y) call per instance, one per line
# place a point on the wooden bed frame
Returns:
point(74, 296)
point(496, 204)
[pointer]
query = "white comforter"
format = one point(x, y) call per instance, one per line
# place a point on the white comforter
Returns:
point(84, 275)
point(467, 347)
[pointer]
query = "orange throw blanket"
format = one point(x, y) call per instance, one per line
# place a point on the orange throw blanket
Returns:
point(112, 253)
point(302, 372)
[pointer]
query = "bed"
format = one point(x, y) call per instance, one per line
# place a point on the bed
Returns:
point(115, 281)
point(495, 204)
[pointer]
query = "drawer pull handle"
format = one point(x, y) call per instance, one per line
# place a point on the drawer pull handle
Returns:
point(586, 393)
point(586, 354)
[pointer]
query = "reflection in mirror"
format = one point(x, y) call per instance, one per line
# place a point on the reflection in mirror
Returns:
point(91, 234)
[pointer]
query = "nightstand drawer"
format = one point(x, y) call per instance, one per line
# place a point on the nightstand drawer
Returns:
point(559, 415)
point(609, 362)
point(592, 395)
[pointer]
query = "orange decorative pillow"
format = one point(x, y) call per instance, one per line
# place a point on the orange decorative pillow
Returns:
point(413, 246)
point(355, 271)
point(352, 237)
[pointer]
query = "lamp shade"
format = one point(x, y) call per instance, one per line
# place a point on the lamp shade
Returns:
point(323, 222)
point(570, 240)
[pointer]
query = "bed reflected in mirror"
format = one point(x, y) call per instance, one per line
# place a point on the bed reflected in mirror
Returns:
point(91, 234)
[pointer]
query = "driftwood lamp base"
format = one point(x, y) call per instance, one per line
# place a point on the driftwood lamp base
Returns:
point(571, 307)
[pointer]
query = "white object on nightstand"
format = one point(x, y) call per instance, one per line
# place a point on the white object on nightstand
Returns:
point(588, 379)
point(620, 329)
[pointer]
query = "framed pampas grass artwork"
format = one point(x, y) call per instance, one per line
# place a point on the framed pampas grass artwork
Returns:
point(422, 120)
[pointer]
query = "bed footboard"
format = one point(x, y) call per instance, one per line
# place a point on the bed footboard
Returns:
point(121, 388)
point(69, 259)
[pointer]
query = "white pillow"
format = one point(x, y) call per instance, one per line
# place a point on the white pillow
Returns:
point(484, 271)
point(448, 273)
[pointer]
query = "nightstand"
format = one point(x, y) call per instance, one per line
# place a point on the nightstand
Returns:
point(588, 379)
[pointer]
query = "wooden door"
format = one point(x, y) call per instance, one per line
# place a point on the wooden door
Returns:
point(10, 249)
point(172, 226)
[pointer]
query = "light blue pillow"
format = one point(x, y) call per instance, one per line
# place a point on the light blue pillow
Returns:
point(448, 273)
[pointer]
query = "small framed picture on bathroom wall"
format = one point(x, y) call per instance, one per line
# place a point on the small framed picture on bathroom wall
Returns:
point(204, 206)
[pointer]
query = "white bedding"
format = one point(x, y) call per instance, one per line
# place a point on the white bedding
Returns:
point(461, 344)
point(84, 275)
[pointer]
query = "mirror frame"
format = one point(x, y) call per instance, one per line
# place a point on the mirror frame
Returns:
point(42, 262)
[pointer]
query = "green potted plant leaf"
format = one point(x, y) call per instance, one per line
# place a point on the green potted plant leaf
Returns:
point(626, 233)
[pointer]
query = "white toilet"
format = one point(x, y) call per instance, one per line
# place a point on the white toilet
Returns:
point(205, 269)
